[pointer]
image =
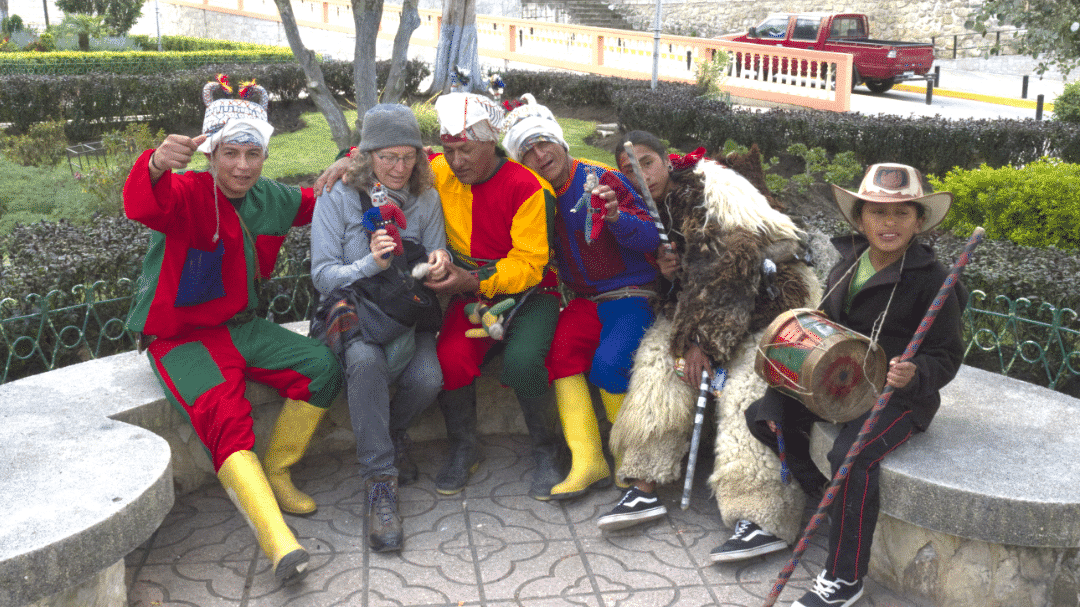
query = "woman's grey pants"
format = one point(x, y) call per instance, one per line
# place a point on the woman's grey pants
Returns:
point(374, 415)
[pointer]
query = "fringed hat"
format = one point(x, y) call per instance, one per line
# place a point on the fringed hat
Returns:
point(468, 117)
point(527, 125)
point(239, 121)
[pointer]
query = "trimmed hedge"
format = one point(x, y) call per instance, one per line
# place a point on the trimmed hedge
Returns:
point(189, 43)
point(678, 113)
point(1036, 205)
point(93, 104)
point(133, 62)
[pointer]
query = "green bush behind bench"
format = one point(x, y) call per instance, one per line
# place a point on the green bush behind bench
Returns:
point(95, 103)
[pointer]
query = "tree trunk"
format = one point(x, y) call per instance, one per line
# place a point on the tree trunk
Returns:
point(316, 83)
point(366, 14)
point(457, 51)
point(395, 81)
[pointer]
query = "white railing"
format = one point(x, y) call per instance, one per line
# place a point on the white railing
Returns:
point(781, 75)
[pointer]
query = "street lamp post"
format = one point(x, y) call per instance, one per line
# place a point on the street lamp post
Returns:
point(656, 45)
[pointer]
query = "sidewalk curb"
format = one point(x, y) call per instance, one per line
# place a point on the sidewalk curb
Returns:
point(1020, 103)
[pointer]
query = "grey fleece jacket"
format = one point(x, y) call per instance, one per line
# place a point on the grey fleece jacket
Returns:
point(340, 253)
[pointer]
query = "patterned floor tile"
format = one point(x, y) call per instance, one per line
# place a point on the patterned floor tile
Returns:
point(533, 570)
point(489, 546)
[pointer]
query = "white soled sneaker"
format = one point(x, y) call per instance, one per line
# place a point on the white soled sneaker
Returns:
point(830, 592)
point(748, 541)
point(635, 507)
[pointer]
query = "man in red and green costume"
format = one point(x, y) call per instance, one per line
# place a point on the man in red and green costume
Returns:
point(498, 226)
point(215, 235)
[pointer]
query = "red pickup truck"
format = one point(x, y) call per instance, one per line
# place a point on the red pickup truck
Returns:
point(879, 64)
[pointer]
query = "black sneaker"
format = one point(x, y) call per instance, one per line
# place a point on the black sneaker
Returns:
point(829, 592)
point(636, 506)
point(749, 540)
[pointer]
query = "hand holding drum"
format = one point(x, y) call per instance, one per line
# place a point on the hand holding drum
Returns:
point(836, 372)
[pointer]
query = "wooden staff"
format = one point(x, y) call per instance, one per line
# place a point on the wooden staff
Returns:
point(868, 425)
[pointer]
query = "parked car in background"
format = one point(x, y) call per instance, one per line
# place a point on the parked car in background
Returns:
point(879, 64)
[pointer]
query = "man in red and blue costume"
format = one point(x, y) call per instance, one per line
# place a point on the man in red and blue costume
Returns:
point(604, 243)
point(216, 234)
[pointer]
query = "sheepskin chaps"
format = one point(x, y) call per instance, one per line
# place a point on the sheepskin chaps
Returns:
point(746, 473)
point(726, 229)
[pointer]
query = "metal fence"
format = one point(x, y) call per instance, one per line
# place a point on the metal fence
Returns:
point(1035, 342)
point(997, 42)
point(40, 334)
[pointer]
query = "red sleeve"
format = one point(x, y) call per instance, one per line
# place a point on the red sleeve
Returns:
point(307, 207)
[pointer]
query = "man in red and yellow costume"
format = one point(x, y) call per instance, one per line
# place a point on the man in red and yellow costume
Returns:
point(499, 229)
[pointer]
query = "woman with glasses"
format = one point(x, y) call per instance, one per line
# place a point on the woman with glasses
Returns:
point(388, 167)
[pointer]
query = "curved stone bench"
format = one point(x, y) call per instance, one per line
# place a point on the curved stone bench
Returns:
point(91, 456)
point(982, 508)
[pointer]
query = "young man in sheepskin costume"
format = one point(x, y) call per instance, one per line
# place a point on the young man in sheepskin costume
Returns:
point(738, 264)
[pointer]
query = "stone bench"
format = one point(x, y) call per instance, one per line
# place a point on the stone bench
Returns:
point(983, 509)
point(92, 455)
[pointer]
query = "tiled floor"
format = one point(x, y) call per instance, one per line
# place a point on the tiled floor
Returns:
point(490, 545)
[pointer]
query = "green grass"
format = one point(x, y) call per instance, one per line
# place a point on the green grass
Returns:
point(575, 132)
point(31, 194)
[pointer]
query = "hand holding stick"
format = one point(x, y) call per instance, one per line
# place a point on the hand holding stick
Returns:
point(868, 426)
point(653, 210)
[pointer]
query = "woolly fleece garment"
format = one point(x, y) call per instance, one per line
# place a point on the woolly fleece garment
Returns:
point(654, 426)
point(715, 209)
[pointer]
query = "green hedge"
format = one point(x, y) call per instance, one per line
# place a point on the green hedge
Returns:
point(96, 103)
point(1037, 205)
point(678, 113)
point(133, 62)
point(189, 43)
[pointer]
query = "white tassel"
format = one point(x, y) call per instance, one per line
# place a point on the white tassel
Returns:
point(421, 270)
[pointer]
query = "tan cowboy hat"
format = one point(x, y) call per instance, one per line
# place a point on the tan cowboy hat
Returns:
point(894, 183)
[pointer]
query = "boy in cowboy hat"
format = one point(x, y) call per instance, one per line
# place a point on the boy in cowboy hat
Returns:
point(882, 287)
point(215, 234)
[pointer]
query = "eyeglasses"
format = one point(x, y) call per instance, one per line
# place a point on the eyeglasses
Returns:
point(394, 159)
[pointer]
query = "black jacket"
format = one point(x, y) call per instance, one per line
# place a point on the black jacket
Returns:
point(942, 350)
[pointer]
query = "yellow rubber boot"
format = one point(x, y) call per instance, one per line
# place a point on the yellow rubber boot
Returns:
point(244, 481)
point(295, 425)
point(612, 404)
point(589, 469)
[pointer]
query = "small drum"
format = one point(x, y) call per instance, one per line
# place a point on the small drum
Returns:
point(837, 373)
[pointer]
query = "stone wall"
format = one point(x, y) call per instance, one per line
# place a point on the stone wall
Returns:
point(944, 569)
point(907, 20)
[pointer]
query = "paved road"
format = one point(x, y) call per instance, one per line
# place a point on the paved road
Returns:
point(968, 89)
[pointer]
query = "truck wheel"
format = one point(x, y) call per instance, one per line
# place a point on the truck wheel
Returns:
point(879, 86)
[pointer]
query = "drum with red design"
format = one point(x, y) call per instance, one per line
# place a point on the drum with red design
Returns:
point(836, 372)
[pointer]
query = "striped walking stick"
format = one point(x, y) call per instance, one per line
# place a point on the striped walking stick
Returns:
point(695, 441)
point(868, 426)
point(646, 195)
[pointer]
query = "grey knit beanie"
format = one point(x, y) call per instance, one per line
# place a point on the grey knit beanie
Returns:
point(387, 125)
